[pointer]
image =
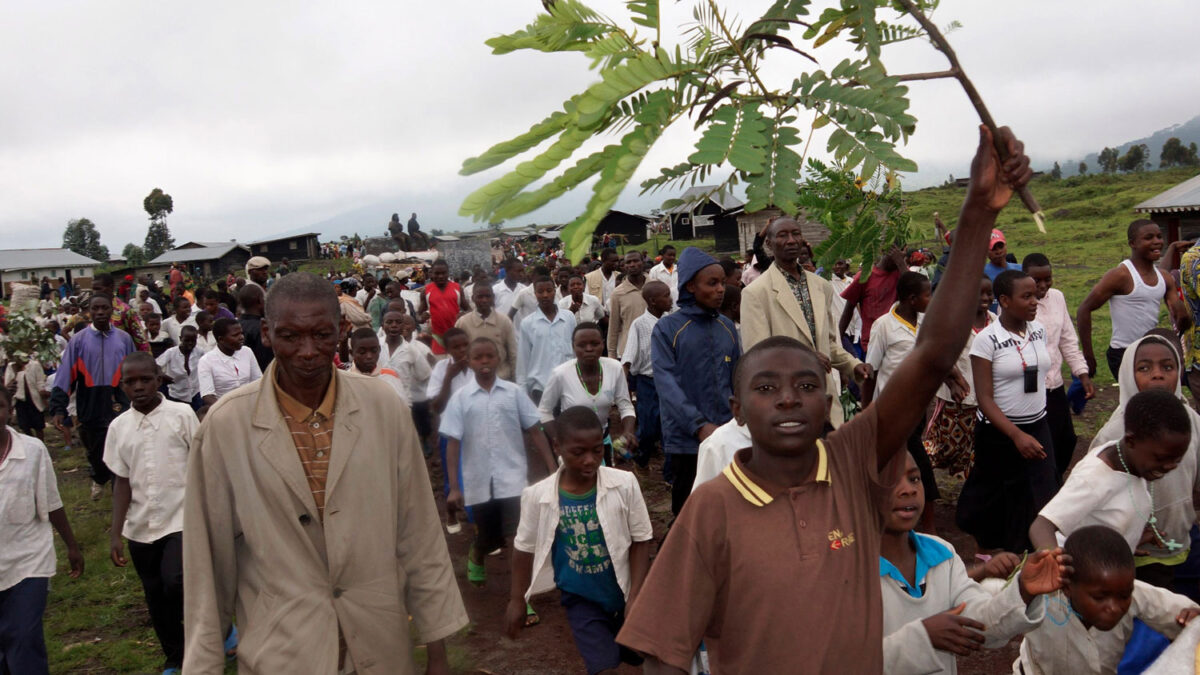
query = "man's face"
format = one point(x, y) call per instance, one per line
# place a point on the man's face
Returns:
point(1148, 242)
point(439, 275)
point(368, 282)
point(187, 341)
point(304, 337)
point(143, 295)
point(484, 298)
point(786, 240)
point(562, 276)
point(780, 397)
point(183, 308)
point(544, 292)
point(633, 264)
point(998, 253)
point(234, 339)
point(259, 275)
point(840, 268)
point(393, 324)
point(575, 287)
point(668, 257)
point(709, 287)
point(212, 305)
point(101, 310)
point(1043, 277)
point(365, 353)
point(204, 323)
point(608, 262)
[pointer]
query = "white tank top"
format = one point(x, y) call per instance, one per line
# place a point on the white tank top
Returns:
point(1135, 313)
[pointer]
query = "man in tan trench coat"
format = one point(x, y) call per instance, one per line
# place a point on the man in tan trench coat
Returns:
point(308, 515)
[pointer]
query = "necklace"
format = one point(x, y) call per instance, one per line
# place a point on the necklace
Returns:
point(1152, 521)
point(1057, 599)
point(599, 380)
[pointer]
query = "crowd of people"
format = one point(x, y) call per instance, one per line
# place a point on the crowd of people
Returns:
point(269, 438)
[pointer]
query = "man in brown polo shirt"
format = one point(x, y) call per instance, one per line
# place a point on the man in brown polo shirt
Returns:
point(626, 303)
point(774, 565)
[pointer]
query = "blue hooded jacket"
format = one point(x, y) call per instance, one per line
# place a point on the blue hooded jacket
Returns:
point(694, 351)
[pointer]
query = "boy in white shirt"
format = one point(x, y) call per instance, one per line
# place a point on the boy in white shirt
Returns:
point(364, 351)
point(29, 507)
point(484, 422)
point(640, 370)
point(180, 367)
point(147, 449)
point(229, 366)
point(584, 529)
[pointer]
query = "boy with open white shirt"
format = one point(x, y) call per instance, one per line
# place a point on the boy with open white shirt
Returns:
point(229, 366)
point(181, 364)
point(147, 450)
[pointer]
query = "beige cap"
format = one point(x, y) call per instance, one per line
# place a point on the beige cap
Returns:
point(257, 262)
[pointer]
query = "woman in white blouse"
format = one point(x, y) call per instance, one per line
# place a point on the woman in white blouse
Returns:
point(592, 381)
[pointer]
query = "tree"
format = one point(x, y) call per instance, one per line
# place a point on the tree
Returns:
point(1056, 172)
point(158, 237)
point(1083, 168)
point(1134, 158)
point(1109, 157)
point(751, 133)
point(134, 255)
point(82, 237)
point(1175, 154)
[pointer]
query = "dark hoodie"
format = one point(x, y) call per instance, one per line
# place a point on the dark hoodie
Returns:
point(694, 351)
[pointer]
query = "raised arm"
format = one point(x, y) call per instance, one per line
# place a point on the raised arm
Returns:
point(952, 310)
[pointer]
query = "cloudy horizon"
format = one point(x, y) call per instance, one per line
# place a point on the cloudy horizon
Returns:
point(259, 122)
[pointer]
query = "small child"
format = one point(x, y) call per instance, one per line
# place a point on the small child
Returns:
point(29, 506)
point(158, 338)
point(364, 351)
point(26, 383)
point(206, 340)
point(448, 376)
point(180, 368)
point(1111, 487)
point(484, 422)
point(147, 450)
point(892, 339)
point(636, 361)
point(933, 606)
point(1090, 620)
point(585, 530)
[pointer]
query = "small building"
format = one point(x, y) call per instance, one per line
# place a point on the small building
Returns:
point(1177, 211)
point(750, 224)
point(630, 227)
point(695, 217)
point(201, 260)
point(29, 265)
point(293, 247)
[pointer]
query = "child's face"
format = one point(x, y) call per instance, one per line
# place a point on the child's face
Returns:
point(1102, 597)
point(660, 301)
point(575, 287)
point(581, 450)
point(484, 360)
point(588, 345)
point(365, 353)
point(483, 298)
point(407, 326)
point(1154, 457)
point(458, 346)
point(1043, 277)
point(145, 310)
point(920, 302)
point(183, 308)
point(709, 287)
point(903, 509)
point(153, 325)
point(1155, 367)
point(985, 295)
point(140, 382)
point(393, 324)
point(544, 292)
point(204, 323)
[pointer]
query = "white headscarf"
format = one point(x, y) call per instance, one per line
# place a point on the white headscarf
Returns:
point(1173, 492)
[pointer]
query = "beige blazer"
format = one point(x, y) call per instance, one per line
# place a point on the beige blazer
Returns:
point(254, 546)
point(595, 283)
point(770, 308)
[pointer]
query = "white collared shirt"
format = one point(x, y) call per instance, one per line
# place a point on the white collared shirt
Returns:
point(637, 345)
point(206, 343)
point(28, 493)
point(152, 451)
point(391, 377)
point(526, 303)
point(184, 385)
point(669, 277)
point(505, 295)
point(565, 390)
point(220, 374)
point(409, 364)
point(490, 426)
point(590, 309)
point(891, 340)
point(620, 508)
point(173, 327)
point(717, 451)
point(543, 344)
point(438, 376)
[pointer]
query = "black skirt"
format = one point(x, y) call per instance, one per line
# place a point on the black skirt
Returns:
point(28, 416)
point(1005, 492)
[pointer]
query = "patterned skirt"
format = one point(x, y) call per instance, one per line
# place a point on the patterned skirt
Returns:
point(950, 437)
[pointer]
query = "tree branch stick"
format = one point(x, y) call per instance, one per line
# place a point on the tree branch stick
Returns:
point(942, 45)
point(909, 77)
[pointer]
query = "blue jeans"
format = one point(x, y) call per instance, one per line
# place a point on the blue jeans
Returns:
point(22, 642)
point(649, 425)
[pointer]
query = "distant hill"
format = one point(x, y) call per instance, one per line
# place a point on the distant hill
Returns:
point(1188, 132)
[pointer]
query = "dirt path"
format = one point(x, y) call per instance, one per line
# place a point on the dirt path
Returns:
point(549, 649)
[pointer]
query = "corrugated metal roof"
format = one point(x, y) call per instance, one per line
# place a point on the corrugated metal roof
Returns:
point(284, 238)
point(697, 195)
point(195, 254)
point(42, 258)
point(1182, 197)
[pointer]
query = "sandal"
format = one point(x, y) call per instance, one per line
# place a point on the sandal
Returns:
point(476, 572)
point(531, 617)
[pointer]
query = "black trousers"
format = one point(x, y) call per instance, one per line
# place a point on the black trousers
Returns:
point(93, 444)
point(1062, 429)
point(684, 467)
point(916, 448)
point(160, 566)
point(1114, 356)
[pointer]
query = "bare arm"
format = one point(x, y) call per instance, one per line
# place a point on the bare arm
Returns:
point(1109, 285)
point(1041, 534)
point(639, 567)
point(58, 519)
point(950, 314)
point(847, 317)
point(542, 445)
point(453, 448)
point(122, 495)
point(522, 576)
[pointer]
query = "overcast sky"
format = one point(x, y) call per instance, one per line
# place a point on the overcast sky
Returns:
point(258, 122)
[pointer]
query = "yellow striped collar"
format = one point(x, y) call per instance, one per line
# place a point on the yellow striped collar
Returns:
point(756, 494)
point(903, 322)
